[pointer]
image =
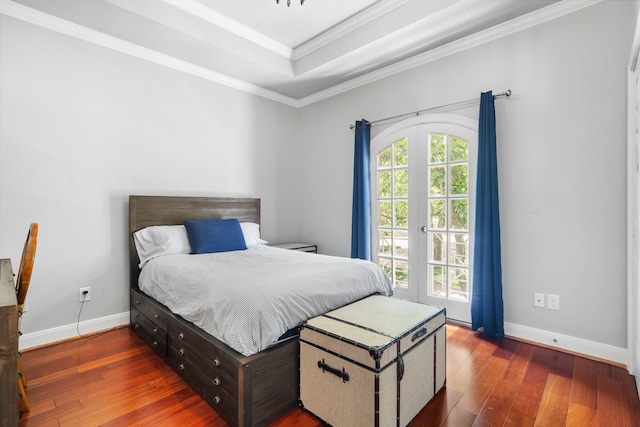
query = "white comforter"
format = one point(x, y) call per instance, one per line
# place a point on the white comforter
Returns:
point(249, 298)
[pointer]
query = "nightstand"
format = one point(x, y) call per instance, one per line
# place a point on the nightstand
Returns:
point(302, 247)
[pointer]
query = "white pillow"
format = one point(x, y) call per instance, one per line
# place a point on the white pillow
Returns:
point(251, 233)
point(158, 240)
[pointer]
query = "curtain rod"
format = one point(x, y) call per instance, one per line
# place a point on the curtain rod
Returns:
point(505, 94)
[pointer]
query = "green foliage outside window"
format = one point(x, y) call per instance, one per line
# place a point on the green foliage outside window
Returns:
point(384, 184)
point(384, 158)
point(401, 152)
point(448, 191)
point(437, 180)
point(459, 149)
point(393, 211)
point(384, 214)
point(401, 183)
point(459, 214)
point(437, 148)
point(459, 179)
point(437, 213)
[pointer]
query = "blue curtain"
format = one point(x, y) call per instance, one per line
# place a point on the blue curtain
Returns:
point(487, 310)
point(361, 209)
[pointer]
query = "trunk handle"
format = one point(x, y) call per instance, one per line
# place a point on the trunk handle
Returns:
point(337, 372)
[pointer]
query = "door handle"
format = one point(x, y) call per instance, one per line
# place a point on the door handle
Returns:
point(424, 229)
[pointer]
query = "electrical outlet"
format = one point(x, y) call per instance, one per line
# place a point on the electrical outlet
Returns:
point(84, 294)
point(538, 300)
point(553, 302)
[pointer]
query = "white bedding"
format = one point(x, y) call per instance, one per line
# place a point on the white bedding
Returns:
point(249, 298)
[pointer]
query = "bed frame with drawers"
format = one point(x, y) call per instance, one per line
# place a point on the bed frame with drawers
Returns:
point(245, 391)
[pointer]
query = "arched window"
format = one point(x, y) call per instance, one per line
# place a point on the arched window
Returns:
point(422, 188)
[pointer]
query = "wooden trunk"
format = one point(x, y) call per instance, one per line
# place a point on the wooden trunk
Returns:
point(376, 362)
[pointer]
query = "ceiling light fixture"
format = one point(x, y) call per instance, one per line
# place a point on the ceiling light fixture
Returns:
point(289, 2)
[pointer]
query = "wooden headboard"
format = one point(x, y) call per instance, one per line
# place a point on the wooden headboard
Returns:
point(145, 211)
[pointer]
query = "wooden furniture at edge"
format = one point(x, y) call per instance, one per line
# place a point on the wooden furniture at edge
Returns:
point(245, 391)
point(8, 347)
point(23, 280)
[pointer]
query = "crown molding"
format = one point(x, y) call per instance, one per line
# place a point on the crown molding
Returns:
point(635, 46)
point(35, 17)
point(556, 10)
point(203, 12)
point(515, 25)
point(346, 27)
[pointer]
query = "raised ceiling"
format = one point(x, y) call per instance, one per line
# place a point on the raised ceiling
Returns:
point(294, 54)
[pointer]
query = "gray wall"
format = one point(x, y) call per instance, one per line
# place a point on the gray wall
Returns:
point(83, 127)
point(561, 147)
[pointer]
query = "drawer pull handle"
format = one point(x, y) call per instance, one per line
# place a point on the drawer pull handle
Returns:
point(155, 330)
point(137, 325)
point(216, 399)
point(422, 332)
point(181, 335)
point(155, 343)
point(216, 362)
point(181, 367)
point(137, 302)
point(181, 351)
point(337, 372)
point(216, 381)
point(155, 316)
point(137, 314)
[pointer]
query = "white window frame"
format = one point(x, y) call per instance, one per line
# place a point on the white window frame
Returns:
point(381, 141)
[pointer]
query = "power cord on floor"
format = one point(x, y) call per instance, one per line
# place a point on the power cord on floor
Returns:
point(84, 296)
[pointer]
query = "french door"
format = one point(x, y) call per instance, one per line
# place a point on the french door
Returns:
point(423, 178)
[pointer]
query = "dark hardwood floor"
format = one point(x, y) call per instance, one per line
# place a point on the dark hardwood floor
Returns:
point(114, 379)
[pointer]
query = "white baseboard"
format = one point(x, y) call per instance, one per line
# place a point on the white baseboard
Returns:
point(62, 333)
point(593, 349)
point(588, 348)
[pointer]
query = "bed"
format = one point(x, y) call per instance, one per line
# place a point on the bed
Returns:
point(249, 389)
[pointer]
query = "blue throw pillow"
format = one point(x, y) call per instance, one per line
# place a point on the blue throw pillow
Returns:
point(215, 235)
